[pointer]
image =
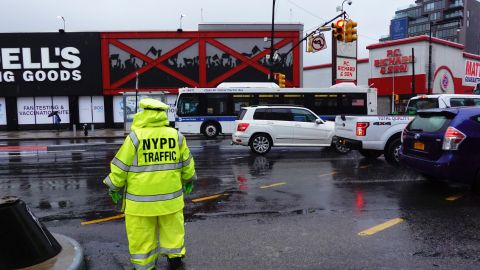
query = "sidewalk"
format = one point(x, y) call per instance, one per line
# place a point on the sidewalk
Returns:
point(97, 134)
point(62, 134)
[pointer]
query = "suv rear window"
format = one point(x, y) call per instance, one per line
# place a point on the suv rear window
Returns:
point(429, 123)
point(421, 104)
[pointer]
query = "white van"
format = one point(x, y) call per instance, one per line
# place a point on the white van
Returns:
point(441, 101)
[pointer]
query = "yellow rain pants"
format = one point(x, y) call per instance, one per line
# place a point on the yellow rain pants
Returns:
point(150, 236)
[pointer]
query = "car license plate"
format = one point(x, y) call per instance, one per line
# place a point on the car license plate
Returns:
point(419, 146)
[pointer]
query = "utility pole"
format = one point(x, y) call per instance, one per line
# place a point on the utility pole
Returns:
point(272, 36)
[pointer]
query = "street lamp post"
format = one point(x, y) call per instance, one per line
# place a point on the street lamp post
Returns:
point(180, 29)
point(349, 3)
point(63, 19)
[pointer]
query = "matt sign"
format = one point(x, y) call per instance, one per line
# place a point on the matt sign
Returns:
point(472, 72)
point(44, 64)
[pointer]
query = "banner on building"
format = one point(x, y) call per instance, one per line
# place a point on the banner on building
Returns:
point(47, 64)
point(472, 73)
point(36, 110)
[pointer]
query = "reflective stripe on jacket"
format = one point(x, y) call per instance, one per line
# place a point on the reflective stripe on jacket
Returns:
point(153, 163)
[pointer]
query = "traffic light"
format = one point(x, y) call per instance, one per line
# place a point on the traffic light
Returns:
point(281, 80)
point(350, 31)
point(310, 43)
point(338, 30)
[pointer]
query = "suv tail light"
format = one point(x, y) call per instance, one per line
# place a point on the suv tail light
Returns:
point(452, 139)
point(242, 127)
point(362, 128)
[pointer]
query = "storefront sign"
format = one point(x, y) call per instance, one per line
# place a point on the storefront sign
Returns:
point(472, 72)
point(37, 110)
point(43, 64)
point(346, 69)
point(394, 63)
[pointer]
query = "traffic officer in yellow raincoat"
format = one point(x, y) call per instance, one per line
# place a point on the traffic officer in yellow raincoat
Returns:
point(154, 166)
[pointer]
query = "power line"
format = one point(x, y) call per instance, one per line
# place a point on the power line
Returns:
point(305, 10)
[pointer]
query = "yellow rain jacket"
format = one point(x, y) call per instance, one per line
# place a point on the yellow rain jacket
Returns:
point(152, 165)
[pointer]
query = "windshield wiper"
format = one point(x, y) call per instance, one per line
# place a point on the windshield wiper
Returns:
point(416, 129)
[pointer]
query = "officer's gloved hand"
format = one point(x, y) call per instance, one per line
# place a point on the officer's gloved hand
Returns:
point(115, 195)
point(188, 187)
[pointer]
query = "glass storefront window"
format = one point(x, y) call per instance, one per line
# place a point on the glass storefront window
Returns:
point(91, 109)
point(35, 110)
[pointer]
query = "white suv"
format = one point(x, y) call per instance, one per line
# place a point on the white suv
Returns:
point(262, 127)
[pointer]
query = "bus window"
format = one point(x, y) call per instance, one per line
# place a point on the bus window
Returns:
point(353, 103)
point(325, 104)
point(189, 104)
point(294, 99)
point(265, 99)
point(241, 100)
point(217, 104)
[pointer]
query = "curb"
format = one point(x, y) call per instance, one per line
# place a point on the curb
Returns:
point(80, 146)
point(78, 261)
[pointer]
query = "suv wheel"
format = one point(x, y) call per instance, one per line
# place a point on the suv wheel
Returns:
point(260, 144)
point(210, 130)
point(392, 153)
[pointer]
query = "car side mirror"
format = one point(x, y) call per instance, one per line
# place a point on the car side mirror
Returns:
point(318, 121)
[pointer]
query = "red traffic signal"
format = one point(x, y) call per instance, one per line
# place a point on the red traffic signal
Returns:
point(340, 23)
point(338, 30)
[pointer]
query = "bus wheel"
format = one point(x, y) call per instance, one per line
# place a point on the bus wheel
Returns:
point(210, 130)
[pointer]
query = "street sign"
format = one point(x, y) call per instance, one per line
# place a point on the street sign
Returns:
point(346, 69)
point(318, 43)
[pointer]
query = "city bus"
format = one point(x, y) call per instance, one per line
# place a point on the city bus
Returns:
point(211, 111)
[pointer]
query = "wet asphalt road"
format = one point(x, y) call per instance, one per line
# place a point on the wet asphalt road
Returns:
point(294, 208)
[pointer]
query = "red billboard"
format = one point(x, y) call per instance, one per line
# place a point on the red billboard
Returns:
point(166, 61)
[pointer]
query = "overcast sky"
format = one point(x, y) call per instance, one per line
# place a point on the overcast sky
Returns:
point(373, 16)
